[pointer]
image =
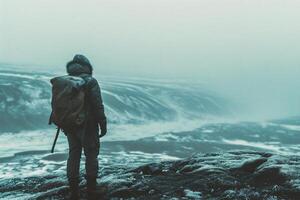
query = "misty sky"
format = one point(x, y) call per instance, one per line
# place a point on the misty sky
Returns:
point(248, 49)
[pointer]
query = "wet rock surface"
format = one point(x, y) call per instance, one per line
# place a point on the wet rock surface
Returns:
point(227, 175)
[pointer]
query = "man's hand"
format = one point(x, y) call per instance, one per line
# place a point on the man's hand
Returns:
point(103, 132)
point(103, 128)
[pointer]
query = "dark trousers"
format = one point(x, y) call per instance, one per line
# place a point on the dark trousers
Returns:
point(81, 140)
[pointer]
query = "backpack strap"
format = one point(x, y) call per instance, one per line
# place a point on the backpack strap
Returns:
point(87, 78)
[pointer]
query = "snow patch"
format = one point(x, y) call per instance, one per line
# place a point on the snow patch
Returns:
point(192, 194)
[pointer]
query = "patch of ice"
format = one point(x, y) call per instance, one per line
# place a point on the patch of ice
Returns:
point(253, 144)
point(159, 156)
point(207, 131)
point(192, 194)
point(291, 127)
point(255, 136)
point(166, 137)
point(188, 148)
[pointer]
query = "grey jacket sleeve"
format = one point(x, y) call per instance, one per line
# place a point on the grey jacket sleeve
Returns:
point(97, 106)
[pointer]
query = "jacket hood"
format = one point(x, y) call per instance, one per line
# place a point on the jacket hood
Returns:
point(79, 65)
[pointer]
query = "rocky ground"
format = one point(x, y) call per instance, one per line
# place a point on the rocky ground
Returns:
point(229, 175)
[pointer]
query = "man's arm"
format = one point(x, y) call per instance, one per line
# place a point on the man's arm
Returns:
point(97, 105)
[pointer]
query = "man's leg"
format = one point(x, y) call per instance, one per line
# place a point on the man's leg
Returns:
point(91, 151)
point(73, 163)
point(91, 164)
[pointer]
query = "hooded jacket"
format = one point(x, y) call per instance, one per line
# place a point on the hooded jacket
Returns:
point(80, 66)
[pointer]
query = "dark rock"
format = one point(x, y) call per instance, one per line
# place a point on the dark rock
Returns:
point(150, 169)
point(269, 176)
point(251, 165)
point(229, 175)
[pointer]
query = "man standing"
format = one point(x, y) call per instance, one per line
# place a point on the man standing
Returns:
point(87, 136)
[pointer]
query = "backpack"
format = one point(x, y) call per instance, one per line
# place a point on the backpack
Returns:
point(68, 102)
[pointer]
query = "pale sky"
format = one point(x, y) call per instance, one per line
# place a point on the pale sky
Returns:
point(246, 48)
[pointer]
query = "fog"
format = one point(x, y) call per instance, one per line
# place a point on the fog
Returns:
point(244, 50)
